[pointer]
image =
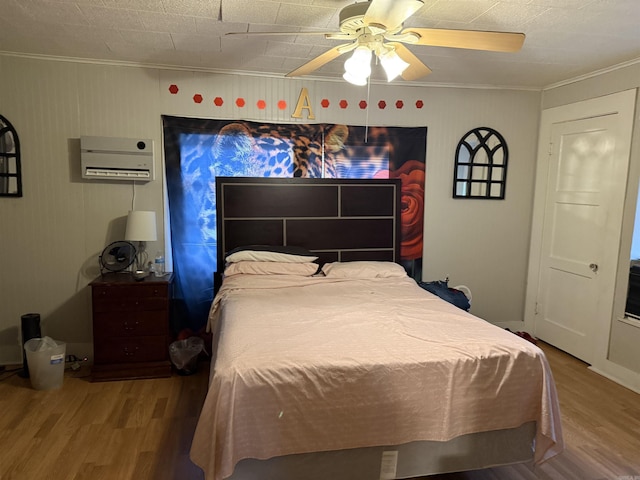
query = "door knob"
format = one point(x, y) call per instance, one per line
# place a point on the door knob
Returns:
point(593, 267)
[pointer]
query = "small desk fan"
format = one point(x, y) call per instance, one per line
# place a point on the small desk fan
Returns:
point(117, 256)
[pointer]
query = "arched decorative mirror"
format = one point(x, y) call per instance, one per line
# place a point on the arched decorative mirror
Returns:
point(10, 172)
point(481, 165)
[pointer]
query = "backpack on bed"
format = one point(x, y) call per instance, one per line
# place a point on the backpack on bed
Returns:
point(452, 295)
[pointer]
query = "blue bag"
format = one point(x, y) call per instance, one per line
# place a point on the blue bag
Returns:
point(441, 288)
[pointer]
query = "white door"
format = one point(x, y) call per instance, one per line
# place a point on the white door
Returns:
point(575, 214)
point(580, 223)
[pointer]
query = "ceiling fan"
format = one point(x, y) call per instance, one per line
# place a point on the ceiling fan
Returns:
point(376, 27)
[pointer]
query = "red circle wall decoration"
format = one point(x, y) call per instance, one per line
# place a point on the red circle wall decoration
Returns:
point(282, 104)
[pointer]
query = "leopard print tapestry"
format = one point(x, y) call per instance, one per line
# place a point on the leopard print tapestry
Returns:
point(199, 150)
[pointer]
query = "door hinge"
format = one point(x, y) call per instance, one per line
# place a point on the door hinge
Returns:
point(550, 149)
point(536, 309)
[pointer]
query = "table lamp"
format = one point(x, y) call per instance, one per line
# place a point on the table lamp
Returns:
point(141, 228)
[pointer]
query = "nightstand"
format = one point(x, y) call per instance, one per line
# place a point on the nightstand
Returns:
point(130, 326)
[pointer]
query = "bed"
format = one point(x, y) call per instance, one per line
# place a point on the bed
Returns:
point(356, 372)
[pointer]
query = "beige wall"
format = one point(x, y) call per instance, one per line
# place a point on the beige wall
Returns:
point(625, 336)
point(50, 239)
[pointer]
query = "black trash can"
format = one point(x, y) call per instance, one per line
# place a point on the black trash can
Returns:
point(30, 327)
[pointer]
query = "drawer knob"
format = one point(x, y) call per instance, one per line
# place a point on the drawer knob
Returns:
point(130, 353)
point(129, 327)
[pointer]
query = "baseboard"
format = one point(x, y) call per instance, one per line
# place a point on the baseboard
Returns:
point(514, 326)
point(622, 376)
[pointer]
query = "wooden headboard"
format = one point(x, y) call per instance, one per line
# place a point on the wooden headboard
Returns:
point(337, 219)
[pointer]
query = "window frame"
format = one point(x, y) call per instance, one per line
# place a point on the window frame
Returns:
point(10, 161)
point(480, 170)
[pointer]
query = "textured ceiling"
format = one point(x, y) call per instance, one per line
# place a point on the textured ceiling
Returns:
point(565, 39)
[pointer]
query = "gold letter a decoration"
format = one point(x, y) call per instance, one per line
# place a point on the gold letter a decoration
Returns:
point(303, 103)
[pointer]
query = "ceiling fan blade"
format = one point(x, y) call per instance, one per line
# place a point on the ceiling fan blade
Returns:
point(389, 14)
point(321, 60)
point(416, 68)
point(471, 39)
point(255, 34)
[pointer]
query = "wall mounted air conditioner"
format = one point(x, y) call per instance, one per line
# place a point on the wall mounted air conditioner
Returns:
point(107, 158)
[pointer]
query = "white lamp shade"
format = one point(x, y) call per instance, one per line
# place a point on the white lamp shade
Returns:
point(141, 226)
point(357, 68)
point(393, 65)
point(355, 80)
point(359, 64)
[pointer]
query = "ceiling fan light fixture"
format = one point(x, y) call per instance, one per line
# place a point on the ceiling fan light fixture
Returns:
point(392, 63)
point(359, 64)
point(355, 79)
point(376, 27)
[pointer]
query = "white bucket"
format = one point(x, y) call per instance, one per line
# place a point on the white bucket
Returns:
point(45, 358)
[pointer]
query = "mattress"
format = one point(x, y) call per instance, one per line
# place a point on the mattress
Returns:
point(314, 364)
point(410, 460)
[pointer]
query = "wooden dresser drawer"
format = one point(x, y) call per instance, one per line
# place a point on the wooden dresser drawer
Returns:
point(130, 324)
point(136, 291)
point(124, 304)
point(131, 349)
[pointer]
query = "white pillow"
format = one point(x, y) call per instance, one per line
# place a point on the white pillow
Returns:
point(266, 253)
point(363, 269)
point(271, 268)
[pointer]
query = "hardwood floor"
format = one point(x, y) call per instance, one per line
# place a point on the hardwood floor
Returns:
point(142, 429)
point(601, 428)
point(135, 429)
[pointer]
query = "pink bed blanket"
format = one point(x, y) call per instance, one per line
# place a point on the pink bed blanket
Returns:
point(308, 364)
